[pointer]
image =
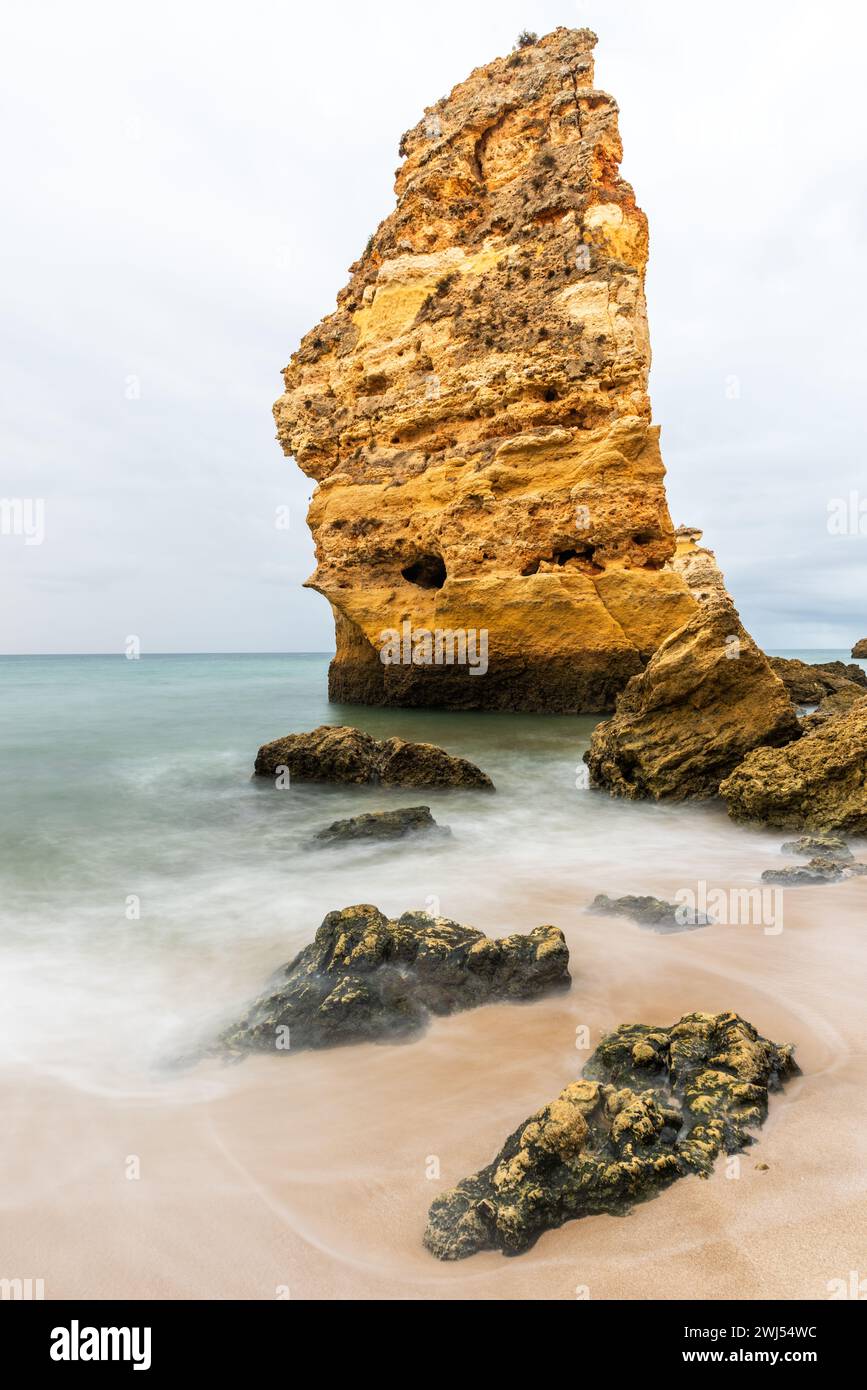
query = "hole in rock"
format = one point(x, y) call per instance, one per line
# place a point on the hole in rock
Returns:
point(428, 572)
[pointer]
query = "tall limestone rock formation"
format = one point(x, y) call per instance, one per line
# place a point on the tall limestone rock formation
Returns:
point(475, 412)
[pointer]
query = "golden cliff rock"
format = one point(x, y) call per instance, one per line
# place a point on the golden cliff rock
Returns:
point(475, 412)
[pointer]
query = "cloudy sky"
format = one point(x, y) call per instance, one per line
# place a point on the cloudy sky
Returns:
point(186, 183)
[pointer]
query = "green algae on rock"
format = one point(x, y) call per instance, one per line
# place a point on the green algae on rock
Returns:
point(365, 978)
point(654, 1104)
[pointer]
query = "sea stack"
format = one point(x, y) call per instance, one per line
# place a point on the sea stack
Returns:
point(490, 519)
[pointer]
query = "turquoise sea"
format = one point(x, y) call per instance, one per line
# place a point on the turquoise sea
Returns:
point(149, 884)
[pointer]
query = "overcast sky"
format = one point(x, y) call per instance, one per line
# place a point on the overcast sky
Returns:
point(185, 185)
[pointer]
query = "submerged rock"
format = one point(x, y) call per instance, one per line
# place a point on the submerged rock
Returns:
point(651, 912)
point(803, 875)
point(818, 783)
point(654, 1105)
point(807, 683)
point(821, 846)
point(705, 699)
point(344, 754)
point(381, 825)
point(365, 978)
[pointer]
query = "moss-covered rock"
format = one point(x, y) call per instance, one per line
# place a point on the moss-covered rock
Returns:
point(365, 978)
point(653, 1105)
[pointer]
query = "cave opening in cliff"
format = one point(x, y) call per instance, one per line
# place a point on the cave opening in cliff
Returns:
point(428, 572)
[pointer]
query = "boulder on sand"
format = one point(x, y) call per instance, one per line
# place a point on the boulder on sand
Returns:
point(655, 1104)
point(705, 699)
point(818, 783)
point(344, 754)
point(365, 978)
point(381, 825)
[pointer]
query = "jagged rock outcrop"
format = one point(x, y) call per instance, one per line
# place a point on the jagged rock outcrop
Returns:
point(807, 683)
point(343, 754)
point(817, 783)
point(381, 825)
point(365, 978)
point(655, 1104)
point(860, 647)
point(697, 566)
point(706, 698)
point(475, 412)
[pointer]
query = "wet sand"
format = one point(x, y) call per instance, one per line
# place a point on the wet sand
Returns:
point(307, 1176)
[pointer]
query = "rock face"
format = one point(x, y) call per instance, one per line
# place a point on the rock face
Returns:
point(818, 783)
point(808, 683)
point(705, 699)
point(651, 912)
point(655, 1104)
point(475, 412)
point(381, 825)
point(365, 978)
point(344, 754)
point(860, 647)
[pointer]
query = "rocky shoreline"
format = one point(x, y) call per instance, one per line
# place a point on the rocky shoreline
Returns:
point(492, 532)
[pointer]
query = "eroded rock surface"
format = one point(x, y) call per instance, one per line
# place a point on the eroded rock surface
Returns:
point(817, 783)
point(860, 647)
point(706, 698)
point(651, 912)
point(808, 683)
point(654, 1105)
point(475, 411)
point(366, 978)
point(381, 825)
point(344, 754)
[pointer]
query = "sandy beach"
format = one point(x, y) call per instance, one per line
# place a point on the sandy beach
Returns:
point(306, 1176)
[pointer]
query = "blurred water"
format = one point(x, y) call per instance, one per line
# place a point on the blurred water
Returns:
point(149, 884)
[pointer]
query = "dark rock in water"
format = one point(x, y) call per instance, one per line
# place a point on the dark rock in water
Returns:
point(819, 870)
point(860, 647)
point(821, 846)
point(655, 1104)
point(651, 912)
point(381, 825)
point(344, 754)
point(818, 783)
point(803, 875)
point(807, 683)
point(365, 978)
